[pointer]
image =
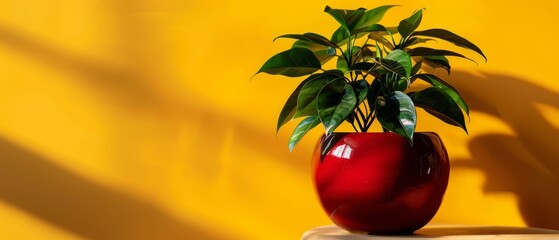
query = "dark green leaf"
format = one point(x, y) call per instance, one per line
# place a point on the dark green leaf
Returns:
point(415, 69)
point(306, 100)
point(408, 25)
point(341, 35)
point(450, 37)
point(361, 88)
point(429, 52)
point(360, 32)
point(372, 16)
point(396, 112)
point(302, 128)
point(403, 59)
point(336, 101)
point(413, 41)
point(373, 93)
point(355, 54)
point(378, 37)
point(310, 37)
point(366, 54)
point(391, 30)
point(435, 62)
point(322, 53)
point(445, 88)
point(362, 66)
point(290, 106)
point(440, 105)
point(347, 18)
point(294, 62)
point(350, 118)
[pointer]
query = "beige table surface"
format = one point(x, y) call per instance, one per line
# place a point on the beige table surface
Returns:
point(440, 232)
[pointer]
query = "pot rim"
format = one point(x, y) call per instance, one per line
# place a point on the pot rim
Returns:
point(374, 133)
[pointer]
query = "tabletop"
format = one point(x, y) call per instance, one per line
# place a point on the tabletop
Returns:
point(440, 232)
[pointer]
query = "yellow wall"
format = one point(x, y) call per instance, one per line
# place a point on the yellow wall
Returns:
point(137, 119)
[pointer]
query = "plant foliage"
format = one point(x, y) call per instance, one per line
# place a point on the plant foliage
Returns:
point(375, 66)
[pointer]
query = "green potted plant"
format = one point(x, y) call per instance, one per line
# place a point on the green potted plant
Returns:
point(390, 181)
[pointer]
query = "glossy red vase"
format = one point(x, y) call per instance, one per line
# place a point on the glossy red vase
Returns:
point(377, 183)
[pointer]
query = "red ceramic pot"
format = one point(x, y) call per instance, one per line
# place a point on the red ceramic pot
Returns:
point(377, 183)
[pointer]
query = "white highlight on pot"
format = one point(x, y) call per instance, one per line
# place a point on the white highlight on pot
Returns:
point(342, 151)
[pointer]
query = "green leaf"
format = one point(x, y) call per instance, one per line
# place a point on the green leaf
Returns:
point(350, 118)
point(396, 112)
point(361, 88)
point(415, 69)
point(391, 30)
point(306, 100)
point(302, 128)
point(450, 37)
point(402, 84)
point(322, 53)
point(340, 36)
point(341, 65)
point(336, 101)
point(362, 66)
point(373, 28)
point(437, 62)
point(290, 106)
point(445, 88)
point(440, 105)
point(408, 25)
point(366, 54)
point(310, 37)
point(354, 56)
point(372, 16)
point(413, 41)
point(378, 51)
point(294, 62)
point(429, 52)
point(379, 38)
point(373, 93)
point(403, 59)
point(348, 19)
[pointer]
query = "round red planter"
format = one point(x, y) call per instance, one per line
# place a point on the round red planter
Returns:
point(377, 183)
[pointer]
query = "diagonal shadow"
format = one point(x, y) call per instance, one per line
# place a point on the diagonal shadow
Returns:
point(43, 184)
point(32, 183)
point(526, 163)
point(131, 87)
point(131, 91)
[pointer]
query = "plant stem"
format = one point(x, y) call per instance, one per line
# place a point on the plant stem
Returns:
point(358, 121)
point(370, 122)
point(365, 120)
point(343, 55)
point(354, 128)
point(361, 115)
point(351, 51)
point(348, 46)
point(361, 51)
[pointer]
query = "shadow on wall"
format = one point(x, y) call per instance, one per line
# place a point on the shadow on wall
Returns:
point(131, 91)
point(71, 202)
point(31, 183)
point(526, 164)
